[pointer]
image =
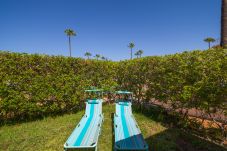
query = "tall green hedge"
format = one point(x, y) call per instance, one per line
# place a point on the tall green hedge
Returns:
point(38, 85)
point(189, 80)
point(196, 79)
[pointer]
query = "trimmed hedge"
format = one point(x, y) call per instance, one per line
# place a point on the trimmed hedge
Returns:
point(38, 85)
point(196, 79)
point(189, 80)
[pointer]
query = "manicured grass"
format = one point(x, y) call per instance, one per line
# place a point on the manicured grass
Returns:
point(51, 133)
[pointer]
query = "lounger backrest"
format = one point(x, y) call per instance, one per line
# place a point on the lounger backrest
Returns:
point(125, 106)
point(93, 107)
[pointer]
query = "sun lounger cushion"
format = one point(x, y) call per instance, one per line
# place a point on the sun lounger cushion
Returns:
point(127, 133)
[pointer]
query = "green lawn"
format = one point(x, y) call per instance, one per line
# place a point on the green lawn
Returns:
point(51, 133)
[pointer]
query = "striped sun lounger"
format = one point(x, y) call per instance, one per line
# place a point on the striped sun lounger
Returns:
point(86, 133)
point(127, 133)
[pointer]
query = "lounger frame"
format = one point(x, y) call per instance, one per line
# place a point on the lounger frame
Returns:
point(126, 130)
point(75, 136)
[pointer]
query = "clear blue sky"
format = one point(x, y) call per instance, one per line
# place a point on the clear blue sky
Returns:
point(106, 26)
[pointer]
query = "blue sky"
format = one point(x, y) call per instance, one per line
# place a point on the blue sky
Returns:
point(107, 26)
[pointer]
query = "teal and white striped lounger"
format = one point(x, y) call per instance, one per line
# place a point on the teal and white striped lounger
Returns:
point(86, 133)
point(127, 133)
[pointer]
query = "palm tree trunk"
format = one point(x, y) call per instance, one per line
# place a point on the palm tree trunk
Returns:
point(209, 44)
point(131, 53)
point(224, 24)
point(70, 53)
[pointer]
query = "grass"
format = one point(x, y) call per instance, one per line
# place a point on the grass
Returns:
point(50, 134)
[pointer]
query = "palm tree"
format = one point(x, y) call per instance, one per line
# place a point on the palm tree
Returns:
point(131, 45)
point(209, 40)
point(140, 52)
point(137, 54)
point(224, 24)
point(69, 33)
point(88, 54)
point(103, 58)
point(97, 56)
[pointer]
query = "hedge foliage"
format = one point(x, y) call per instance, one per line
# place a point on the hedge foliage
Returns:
point(37, 85)
point(196, 79)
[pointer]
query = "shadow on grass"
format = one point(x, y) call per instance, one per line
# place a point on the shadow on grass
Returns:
point(174, 138)
point(113, 136)
point(26, 118)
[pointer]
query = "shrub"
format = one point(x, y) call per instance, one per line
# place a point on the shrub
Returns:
point(38, 85)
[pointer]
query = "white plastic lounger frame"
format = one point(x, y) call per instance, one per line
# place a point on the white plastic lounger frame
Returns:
point(86, 133)
point(126, 130)
point(127, 133)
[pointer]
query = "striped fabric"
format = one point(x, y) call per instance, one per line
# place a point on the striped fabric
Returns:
point(86, 134)
point(127, 133)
